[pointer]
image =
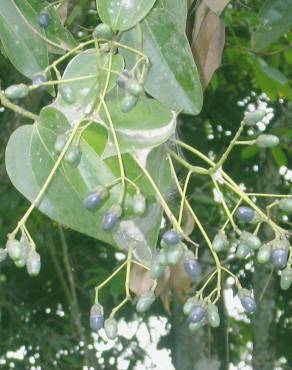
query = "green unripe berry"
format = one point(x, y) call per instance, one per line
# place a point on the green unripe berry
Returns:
point(3, 254)
point(286, 205)
point(25, 248)
point(103, 31)
point(134, 88)
point(267, 141)
point(73, 155)
point(33, 263)
point(251, 240)
point(111, 328)
point(60, 143)
point(67, 94)
point(122, 79)
point(251, 118)
point(189, 305)
point(195, 326)
point(139, 204)
point(162, 258)
point(13, 247)
point(213, 316)
point(16, 91)
point(156, 271)
point(242, 251)
point(175, 254)
point(220, 242)
point(264, 253)
point(145, 301)
point(128, 103)
point(286, 279)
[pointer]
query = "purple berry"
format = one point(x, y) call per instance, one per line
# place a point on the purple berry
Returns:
point(198, 313)
point(171, 237)
point(192, 267)
point(96, 322)
point(279, 257)
point(245, 214)
point(248, 303)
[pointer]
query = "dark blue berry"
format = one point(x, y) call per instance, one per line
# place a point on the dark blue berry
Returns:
point(92, 201)
point(192, 268)
point(171, 237)
point(44, 19)
point(96, 322)
point(109, 221)
point(197, 314)
point(279, 257)
point(245, 214)
point(248, 303)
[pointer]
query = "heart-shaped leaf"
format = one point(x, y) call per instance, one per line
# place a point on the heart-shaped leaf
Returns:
point(123, 14)
point(21, 42)
point(30, 157)
point(147, 125)
point(173, 77)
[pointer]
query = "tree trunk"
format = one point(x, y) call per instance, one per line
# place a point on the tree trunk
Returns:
point(264, 283)
point(202, 350)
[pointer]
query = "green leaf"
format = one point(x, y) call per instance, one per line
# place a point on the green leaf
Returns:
point(178, 9)
point(30, 158)
point(249, 151)
point(273, 82)
point(147, 125)
point(86, 90)
point(123, 14)
point(275, 19)
point(56, 33)
point(172, 77)
point(20, 38)
point(279, 156)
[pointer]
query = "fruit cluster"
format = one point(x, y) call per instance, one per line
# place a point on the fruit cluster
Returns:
point(23, 253)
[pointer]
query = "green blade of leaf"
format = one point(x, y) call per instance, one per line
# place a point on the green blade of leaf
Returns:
point(279, 156)
point(275, 19)
point(173, 77)
point(122, 15)
point(29, 159)
point(55, 32)
point(86, 90)
point(23, 46)
point(147, 125)
point(177, 8)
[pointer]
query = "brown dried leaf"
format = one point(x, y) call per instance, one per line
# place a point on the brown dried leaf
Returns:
point(163, 290)
point(180, 280)
point(208, 46)
point(217, 6)
point(201, 13)
point(140, 282)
